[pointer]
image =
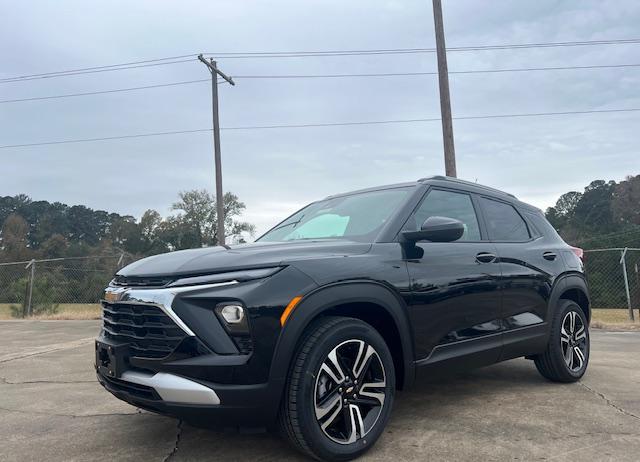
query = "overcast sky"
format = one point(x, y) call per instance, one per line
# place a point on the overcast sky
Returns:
point(276, 171)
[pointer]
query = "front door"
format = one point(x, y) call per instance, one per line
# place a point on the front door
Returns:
point(455, 304)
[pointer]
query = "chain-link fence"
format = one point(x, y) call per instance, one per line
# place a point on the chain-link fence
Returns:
point(41, 286)
point(614, 278)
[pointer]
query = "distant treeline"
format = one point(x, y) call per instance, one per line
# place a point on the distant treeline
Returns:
point(606, 214)
point(41, 229)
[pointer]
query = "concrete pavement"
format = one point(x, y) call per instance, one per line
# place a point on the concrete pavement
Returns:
point(52, 408)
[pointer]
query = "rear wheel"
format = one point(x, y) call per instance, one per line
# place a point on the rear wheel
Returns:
point(339, 391)
point(567, 354)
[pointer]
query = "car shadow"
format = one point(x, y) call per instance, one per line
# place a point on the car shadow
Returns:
point(429, 400)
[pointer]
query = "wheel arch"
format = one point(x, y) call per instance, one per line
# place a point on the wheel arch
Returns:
point(368, 301)
point(572, 287)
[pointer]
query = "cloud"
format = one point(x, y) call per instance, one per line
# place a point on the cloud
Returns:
point(276, 171)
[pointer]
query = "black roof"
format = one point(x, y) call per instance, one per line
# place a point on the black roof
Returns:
point(445, 181)
point(467, 184)
point(430, 179)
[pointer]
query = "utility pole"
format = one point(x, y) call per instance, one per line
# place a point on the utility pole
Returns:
point(445, 101)
point(212, 66)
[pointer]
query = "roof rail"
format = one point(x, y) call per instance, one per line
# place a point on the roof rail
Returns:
point(467, 183)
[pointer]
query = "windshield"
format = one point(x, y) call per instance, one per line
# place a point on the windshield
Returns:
point(358, 217)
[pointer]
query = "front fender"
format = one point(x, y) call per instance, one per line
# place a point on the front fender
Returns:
point(326, 297)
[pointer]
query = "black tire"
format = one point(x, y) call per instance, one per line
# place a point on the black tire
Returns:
point(561, 362)
point(334, 337)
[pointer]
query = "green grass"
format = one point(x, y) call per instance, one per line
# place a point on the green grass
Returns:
point(65, 311)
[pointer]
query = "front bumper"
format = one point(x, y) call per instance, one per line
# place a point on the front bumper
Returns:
point(206, 375)
point(210, 405)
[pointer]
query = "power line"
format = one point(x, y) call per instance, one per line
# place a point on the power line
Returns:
point(103, 67)
point(107, 138)
point(548, 45)
point(97, 70)
point(472, 71)
point(542, 114)
point(391, 51)
point(314, 125)
point(325, 76)
point(101, 92)
point(295, 54)
point(436, 119)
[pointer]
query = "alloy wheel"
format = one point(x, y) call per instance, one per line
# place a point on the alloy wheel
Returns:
point(350, 391)
point(573, 341)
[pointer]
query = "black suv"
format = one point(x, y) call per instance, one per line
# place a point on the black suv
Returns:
point(312, 328)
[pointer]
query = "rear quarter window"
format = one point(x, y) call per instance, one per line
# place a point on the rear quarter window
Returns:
point(541, 225)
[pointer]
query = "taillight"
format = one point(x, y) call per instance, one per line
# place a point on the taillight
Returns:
point(579, 252)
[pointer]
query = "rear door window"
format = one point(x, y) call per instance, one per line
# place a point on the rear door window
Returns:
point(503, 222)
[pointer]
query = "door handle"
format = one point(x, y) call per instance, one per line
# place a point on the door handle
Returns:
point(549, 256)
point(486, 257)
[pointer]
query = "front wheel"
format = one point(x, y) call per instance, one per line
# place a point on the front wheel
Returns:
point(339, 391)
point(567, 354)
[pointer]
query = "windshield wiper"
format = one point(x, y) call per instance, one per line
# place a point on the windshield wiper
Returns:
point(288, 224)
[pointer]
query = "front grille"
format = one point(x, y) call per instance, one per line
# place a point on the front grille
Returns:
point(134, 281)
point(244, 344)
point(133, 389)
point(149, 332)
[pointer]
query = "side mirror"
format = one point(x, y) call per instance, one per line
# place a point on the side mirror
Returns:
point(435, 229)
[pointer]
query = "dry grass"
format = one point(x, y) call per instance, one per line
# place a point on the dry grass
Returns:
point(66, 311)
point(613, 319)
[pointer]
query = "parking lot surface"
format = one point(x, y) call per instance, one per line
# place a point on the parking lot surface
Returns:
point(52, 408)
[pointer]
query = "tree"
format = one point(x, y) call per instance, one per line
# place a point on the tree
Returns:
point(150, 235)
point(593, 211)
point(149, 223)
point(15, 239)
point(607, 214)
point(197, 222)
point(563, 211)
point(177, 234)
point(124, 233)
point(54, 247)
point(626, 201)
point(40, 229)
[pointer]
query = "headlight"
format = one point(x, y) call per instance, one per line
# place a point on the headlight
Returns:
point(238, 276)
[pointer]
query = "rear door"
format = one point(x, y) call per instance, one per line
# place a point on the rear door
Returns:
point(455, 306)
point(528, 262)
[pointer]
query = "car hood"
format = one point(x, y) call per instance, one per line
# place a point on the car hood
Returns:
point(243, 256)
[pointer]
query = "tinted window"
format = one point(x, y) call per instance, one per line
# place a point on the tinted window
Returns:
point(447, 204)
point(503, 222)
point(541, 225)
point(357, 217)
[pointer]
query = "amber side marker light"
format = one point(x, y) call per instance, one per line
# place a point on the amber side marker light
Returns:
point(287, 311)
